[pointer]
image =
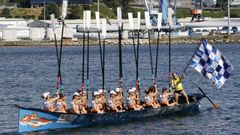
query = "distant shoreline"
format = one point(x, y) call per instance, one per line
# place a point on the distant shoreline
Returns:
point(94, 42)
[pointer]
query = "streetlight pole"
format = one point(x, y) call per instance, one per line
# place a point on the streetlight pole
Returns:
point(98, 6)
point(44, 16)
point(228, 17)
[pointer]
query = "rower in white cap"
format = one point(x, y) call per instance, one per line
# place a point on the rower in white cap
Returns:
point(96, 103)
point(119, 98)
point(111, 102)
point(48, 103)
point(102, 96)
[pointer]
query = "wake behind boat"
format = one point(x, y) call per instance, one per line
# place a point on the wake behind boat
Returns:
point(33, 119)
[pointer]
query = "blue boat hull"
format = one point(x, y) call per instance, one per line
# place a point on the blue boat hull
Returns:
point(32, 119)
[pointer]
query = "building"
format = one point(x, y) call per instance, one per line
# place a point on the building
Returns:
point(59, 2)
point(235, 3)
point(210, 3)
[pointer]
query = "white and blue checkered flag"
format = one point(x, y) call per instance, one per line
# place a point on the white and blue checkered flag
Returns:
point(209, 62)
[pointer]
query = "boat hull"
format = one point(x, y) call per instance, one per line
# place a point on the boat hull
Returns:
point(32, 119)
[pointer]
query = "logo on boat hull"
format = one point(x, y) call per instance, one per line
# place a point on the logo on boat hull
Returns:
point(33, 120)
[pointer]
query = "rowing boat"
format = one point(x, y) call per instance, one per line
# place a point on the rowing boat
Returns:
point(33, 119)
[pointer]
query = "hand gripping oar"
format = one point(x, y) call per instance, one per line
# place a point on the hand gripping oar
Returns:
point(216, 106)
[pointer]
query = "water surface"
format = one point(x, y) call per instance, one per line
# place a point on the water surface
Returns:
point(28, 72)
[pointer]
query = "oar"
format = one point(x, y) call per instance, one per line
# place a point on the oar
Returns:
point(64, 14)
point(120, 27)
point(56, 48)
point(88, 25)
point(158, 28)
point(137, 73)
point(216, 106)
point(104, 32)
point(83, 51)
point(148, 25)
point(100, 46)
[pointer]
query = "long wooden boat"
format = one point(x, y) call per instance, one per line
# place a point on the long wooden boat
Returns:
point(32, 119)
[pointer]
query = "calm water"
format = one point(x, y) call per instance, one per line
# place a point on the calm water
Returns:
point(28, 72)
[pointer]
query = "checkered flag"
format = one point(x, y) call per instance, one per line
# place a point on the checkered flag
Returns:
point(209, 62)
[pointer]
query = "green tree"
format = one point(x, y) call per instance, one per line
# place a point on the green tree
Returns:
point(75, 12)
point(113, 4)
point(222, 4)
point(22, 3)
point(52, 8)
point(6, 13)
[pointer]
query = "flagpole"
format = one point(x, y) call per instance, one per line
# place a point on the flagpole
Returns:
point(185, 69)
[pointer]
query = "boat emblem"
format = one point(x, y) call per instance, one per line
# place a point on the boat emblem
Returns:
point(33, 120)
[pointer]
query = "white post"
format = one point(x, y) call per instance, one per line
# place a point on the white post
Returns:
point(228, 17)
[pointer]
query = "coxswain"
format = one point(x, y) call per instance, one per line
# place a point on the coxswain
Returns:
point(178, 87)
point(61, 105)
point(48, 103)
point(96, 103)
point(165, 97)
point(111, 102)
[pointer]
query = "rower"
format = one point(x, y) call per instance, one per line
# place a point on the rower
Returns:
point(82, 103)
point(102, 96)
point(153, 94)
point(119, 98)
point(96, 103)
point(111, 102)
point(178, 87)
point(48, 103)
point(131, 101)
point(149, 101)
point(75, 106)
point(83, 96)
point(61, 105)
point(165, 97)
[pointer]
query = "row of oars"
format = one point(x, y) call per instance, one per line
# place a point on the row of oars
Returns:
point(86, 27)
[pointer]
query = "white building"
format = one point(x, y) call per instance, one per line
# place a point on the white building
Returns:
point(235, 3)
point(210, 3)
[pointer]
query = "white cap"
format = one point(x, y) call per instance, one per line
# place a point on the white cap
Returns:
point(117, 89)
point(130, 90)
point(75, 94)
point(134, 89)
point(113, 92)
point(96, 93)
point(45, 94)
point(100, 91)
